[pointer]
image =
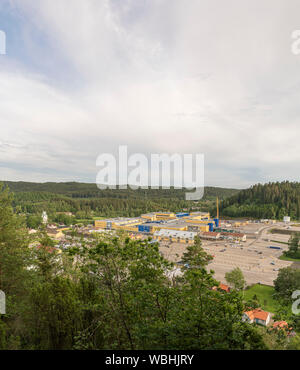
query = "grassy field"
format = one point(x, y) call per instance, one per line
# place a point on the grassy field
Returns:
point(277, 241)
point(285, 258)
point(264, 294)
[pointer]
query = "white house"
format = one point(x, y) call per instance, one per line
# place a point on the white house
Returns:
point(257, 316)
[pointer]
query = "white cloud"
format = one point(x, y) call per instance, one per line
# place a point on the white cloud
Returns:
point(165, 76)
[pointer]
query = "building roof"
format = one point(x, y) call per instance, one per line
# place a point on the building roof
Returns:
point(175, 234)
point(175, 223)
point(121, 221)
point(237, 235)
point(199, 213)
point(257, 314)
point(164, 213)
point(224, 287)
point(210, 233)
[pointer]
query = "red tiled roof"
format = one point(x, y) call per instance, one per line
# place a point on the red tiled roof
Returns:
point(238, 235)
point(257, 314)
point(224, 287)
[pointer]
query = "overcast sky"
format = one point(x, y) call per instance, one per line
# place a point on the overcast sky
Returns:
point(82, 77)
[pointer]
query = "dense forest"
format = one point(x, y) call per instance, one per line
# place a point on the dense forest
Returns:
point(86, 200)
point(89, 190)
point(273, 200)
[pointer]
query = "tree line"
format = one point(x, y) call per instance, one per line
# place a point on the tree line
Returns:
point(89, 190)
point(86, 201)
point(273, 200)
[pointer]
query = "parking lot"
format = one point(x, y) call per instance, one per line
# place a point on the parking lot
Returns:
point(259, 263)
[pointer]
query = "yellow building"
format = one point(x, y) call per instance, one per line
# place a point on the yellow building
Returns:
point(198, 227)
point(149, 216)
point(127, 228)
point(56, 234)
point(239, 223)
point(204, 228)
point(100, 224)
point(197, 221)
point(165, 216)
point(199, 215)
point(118, 223)
point(156, 216)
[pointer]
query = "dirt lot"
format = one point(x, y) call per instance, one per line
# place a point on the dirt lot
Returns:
point(259, 263)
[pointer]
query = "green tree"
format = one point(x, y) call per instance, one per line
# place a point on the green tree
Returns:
point(294, 241)
point(13, 246)
point(33, 221)
point(236, 278)
point(14, 260)
point(140, 307)
point(287, 281)
point(53, 314)
point(195, 256)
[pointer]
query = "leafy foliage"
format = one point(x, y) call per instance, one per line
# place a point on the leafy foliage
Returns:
point(288, 280)
point(236, 278)
point(294, 246)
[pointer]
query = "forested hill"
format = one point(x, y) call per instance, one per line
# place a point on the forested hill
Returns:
point(86, 201)
point(272, 200)
point(89, 190)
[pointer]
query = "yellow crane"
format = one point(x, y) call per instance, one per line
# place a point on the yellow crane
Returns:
point(217, 208)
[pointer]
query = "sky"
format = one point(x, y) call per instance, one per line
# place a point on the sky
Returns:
point(82, 77)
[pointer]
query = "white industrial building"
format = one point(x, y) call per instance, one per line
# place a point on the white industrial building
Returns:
point(175, 235)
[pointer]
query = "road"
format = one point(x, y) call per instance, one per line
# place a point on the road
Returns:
point(263, 231)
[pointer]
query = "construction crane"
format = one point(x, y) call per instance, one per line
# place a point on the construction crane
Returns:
point(217, 208)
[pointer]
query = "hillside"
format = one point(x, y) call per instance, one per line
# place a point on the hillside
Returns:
point(89, 190)
point(86, 200)
point(272, 200)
